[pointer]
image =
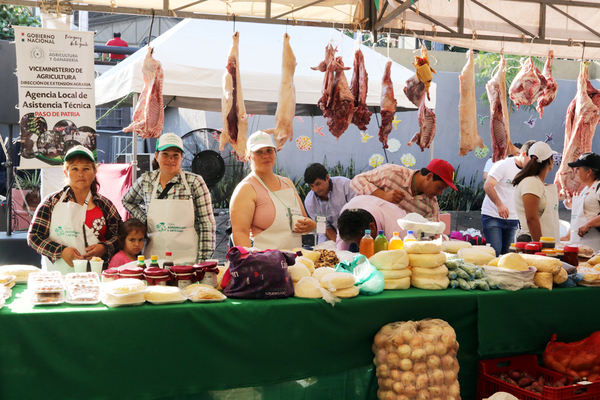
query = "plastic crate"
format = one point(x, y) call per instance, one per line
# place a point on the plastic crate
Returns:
point(488, 385)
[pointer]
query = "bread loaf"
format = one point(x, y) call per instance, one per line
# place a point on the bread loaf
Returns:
point(389, 259)
point(396, 273)
point(321, 272)
point(298, 271)
point(337, 280)
point(422, 247)
point(395, 284)
point(426, 260)
point(309, 288)
point(543, 280)
point(560, 277)
point(543, 263)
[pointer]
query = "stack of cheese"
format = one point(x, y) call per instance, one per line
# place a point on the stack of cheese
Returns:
point(314, 283)
point(426, 261)
point(123, 292)
point(393, 264)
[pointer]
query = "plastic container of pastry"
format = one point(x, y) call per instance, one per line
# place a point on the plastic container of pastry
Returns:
point(83, 277)
point(47, 299)
point(134, 299)
point(83, 293)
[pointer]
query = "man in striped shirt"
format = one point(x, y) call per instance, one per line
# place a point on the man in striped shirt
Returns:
point(412, 191)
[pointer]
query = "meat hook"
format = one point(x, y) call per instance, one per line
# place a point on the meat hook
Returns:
point(150, 33)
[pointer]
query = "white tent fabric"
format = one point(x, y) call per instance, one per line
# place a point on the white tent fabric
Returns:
point(519, 27)
point(194, 54)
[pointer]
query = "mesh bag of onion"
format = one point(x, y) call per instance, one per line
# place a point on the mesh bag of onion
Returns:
point(416, 360)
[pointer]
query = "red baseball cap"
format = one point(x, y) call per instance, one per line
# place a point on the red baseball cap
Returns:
point(444, 170)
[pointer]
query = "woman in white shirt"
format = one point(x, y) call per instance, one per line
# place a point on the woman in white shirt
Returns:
point(535, 201)
point(585, 207)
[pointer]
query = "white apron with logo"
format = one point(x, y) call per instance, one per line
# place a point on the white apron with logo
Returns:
point(66, 226)
point(279, 235)
point(592, 237)
point(171, 227)
point(549, 221)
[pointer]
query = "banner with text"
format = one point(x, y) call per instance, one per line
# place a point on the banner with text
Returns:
point(55, 71)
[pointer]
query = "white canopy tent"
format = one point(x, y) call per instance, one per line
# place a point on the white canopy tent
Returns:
point(194, 54)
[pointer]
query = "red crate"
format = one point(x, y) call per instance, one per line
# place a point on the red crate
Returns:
point(488, 385)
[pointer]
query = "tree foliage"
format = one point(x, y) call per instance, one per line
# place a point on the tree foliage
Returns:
point(488, 66)
point(15, 15)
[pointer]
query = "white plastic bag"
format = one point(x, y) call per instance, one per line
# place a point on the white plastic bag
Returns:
point(417, 223)
point(508, 279)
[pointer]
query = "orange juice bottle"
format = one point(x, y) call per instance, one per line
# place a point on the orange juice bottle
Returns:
point(395, 242)
point(367, 244)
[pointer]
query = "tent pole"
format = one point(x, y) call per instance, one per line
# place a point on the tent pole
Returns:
point(134, 163)
point(431, 150)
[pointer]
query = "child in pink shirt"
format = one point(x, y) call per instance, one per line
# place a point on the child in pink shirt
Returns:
point(132, 237)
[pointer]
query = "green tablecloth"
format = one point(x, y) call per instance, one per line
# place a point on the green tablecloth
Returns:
point(189, 349)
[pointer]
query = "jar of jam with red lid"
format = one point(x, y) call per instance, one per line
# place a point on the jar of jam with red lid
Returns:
point(132, 272)
point(207, 272)
point(110, 274)
point(520, 247)
point(571, 255)
point(540, 253)
point(182, 275)
point(157, 276)
point(531, 248)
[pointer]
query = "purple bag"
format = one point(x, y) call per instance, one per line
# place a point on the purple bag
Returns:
point(258, 274)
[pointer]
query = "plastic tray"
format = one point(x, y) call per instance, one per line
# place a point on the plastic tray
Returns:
point(488, 384)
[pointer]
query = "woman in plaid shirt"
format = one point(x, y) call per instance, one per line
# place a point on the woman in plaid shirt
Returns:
point(175, 205)
point(76, 222)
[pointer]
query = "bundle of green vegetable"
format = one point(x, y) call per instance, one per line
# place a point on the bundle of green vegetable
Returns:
point(467, 276)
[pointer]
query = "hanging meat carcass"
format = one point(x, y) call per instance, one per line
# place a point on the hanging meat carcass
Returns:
point(424, 70)
point(149, 115)
point(528, 85)
point(328, 78)
point(233, 112)
point(286, 104)
point(549, 93)
point(580, 126)
point(359, 89)
point(467, 109)
point(499, 116)
point(388, 105)
point(340, 107)
point(415, 91)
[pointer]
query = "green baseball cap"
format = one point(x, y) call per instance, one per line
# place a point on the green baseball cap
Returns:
point(167, 140)
point(80, 150)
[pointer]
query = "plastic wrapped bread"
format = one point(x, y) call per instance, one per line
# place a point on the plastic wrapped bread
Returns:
point(513, 261)
point(417, 360)
point(298, 271)
point(422, 247)
point(389, 259)
point(453, 246)
point(321, 272)
point(337, 281)
point(543, 280)
point(124, 286)
point(560, 277)
point(396, 273)
point(426, 260)
point(475, 256)
point(307, 262)
point(543, 263)
point(164, 293)
point(308, 287)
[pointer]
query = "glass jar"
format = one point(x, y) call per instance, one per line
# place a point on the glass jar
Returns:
point(207, 272)
point(182, 275)
point(157, 276)
point(547, 242)
point(531, 248)
point(512, 248)
point(571, 255)
point(520, 247)
point(540, 253)
point(110, 274)
point(132, 272)
point(560, 253)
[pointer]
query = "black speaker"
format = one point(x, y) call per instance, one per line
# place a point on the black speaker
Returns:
point(8, 84)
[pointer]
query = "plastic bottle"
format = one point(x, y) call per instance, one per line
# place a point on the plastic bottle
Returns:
point(395, 242)
point(141, 262)
point(410, 237)
point(168, 260)
point(367, 244)
point(381, 243)
point(154, 261)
